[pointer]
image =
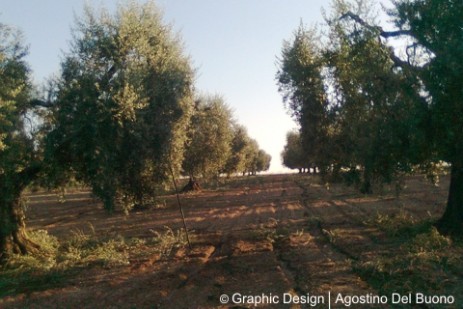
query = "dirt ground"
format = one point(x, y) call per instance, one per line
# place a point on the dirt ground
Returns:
point(274, 234)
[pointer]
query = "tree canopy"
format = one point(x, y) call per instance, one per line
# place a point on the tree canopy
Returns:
point(293, 155)
point(435, 57)
point(121, 118)
point(123, 102)
point(217, 145)
point(209, 138)
point(377, 112)
point(19, 155)
point(301, 84)
point(236, 162)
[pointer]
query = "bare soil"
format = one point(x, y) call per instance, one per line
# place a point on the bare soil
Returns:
point(271, 234)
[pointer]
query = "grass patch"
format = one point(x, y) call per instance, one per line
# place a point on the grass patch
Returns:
point(165, 242)
point(56, 262)
point(424, 260)
point(400, 225)
point(238, 182)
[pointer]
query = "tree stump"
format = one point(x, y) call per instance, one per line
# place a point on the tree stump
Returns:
point(192, 185)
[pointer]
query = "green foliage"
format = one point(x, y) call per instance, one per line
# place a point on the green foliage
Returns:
point(381, 110)
point(57, 261)
point(263, 161)
point(20, 146)
point(217, 145)
point(357, 108)
point(376, 104)
point(16, 147)
point(237, 160)
point(433, 241)
point(436, 27)
point(210, 135)
point(301, 83)
point(122, 105)
point(400, 223)
point(85, 249)
point(424, 261)
point(256, 160)
point(168, 240)
point(293, 154)
point(14, 92)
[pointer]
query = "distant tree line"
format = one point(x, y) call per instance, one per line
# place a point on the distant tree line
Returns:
point(122, 118)
point(217, 145)
point(375, 111)
point(294, 156)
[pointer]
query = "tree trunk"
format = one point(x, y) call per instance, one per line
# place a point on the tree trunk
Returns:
point(452, 220)
point(13, 237)
point(366, 188)
point(192, 185)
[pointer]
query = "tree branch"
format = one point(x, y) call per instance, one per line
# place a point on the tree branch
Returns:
point(40, 103)
point(378, 29)
point(384, 34)
point(391, 34)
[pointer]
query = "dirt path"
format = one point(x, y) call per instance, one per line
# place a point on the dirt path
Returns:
point(282, 234)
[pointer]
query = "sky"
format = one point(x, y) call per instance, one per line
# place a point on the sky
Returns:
point(233, 44)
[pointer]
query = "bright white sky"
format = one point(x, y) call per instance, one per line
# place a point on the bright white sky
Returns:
point(234, 44)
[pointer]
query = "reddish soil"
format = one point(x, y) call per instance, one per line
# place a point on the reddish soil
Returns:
point(273, 235)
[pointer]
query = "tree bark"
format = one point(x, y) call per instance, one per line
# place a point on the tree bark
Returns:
point(452, 219)
point(366, 188)
point(13, 237)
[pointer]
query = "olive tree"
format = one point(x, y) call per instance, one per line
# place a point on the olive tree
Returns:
point(256, 159)
point(433, 68)
point(301, 83)
point(210, 136)
point(375, 103)
point(435, 54)
point(361, 111)
point(20, 155)
point(395, 109)
point(263, 161)
point(123, 101)
point(237, 159)
point(293, 155)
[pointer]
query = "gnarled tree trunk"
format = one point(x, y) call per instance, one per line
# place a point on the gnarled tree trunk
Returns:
point(13, 237)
